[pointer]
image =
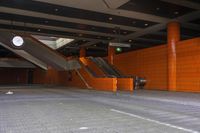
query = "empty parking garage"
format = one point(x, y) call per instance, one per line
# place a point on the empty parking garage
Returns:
point(102, 66)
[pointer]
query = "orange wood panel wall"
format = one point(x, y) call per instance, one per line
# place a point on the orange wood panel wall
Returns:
point(103, 84)
point(13, 76)
point(150, 63)
point(188, 65)
point(71, 79)
point(125, 84)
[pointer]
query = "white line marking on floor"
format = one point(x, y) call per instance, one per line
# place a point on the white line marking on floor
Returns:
point(155, 121)
point(83, 128)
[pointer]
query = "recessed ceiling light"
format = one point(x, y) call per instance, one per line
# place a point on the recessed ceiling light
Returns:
point(130, 40)
point(38, 30)
point(110, 18)
point(56, 9)
point(157, 8)
point(18, 41)
point(146, 24)
point(95, 45)
point(176, 12)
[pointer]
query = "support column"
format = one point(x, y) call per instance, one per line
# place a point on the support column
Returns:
point(173, 36)
point(82, 52)
point(111, 53)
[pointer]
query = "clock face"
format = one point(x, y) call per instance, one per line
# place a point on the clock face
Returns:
point(18, 41)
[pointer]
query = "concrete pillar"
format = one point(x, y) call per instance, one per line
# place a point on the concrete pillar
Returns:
point(173, 36)
point(111, 54)
point(82, 52)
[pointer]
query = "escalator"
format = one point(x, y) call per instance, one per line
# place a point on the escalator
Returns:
point(112, 71)
point(37, 52)
point(108, 69)
point(88, 69)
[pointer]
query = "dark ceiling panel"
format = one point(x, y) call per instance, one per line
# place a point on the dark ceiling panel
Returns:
point(142, 43)
point(196, 21)
point(96, 53)
point(190, 32)
point(56, 23)
point(156, 7)
point(155, 37)
point(74, 12)
point(54, 32)
point(101, 44)
point(196, 1)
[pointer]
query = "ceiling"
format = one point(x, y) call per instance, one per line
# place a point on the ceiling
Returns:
point(94, 23)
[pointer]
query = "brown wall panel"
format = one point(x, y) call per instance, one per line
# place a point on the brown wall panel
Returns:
point(13, 76)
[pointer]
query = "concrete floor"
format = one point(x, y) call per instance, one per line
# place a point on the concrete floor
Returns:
point(68, 110)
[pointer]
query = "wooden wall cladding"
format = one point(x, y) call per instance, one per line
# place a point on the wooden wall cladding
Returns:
point(45, 77)
point(150, 63)
point(103, 84)
point(13, 76)
point(125, 84)
point(188, 65)
point(52, 76)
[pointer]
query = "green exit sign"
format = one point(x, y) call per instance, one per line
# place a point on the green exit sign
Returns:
point(119, 49)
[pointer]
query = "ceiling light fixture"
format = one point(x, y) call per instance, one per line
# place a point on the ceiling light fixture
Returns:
point(17, 41)
point(157, 8)
point(110, 18)
point(176, 12)
point(146, 24)
point(56, 9)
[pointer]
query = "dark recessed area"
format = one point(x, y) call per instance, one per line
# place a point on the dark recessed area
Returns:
point(156, 7)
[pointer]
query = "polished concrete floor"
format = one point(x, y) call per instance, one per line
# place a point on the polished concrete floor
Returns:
point(40, 109)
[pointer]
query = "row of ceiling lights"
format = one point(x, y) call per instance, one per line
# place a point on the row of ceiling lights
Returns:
point(110, 18)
